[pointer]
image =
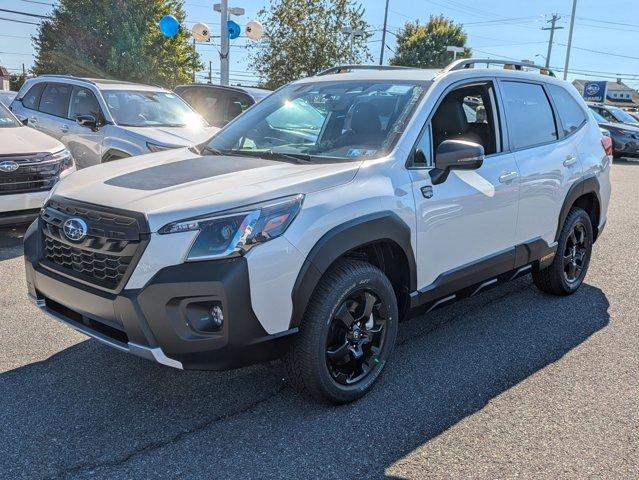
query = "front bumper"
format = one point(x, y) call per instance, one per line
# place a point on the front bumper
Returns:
point(162, 320)
point(21, 207)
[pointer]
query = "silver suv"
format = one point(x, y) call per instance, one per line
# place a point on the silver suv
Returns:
point(104, 120)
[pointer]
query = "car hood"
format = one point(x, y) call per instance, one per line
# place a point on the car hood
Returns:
point(177, 184)
point(23, 140)
point(173, 136)
point(620, 126)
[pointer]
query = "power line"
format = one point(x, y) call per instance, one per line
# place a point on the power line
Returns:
point(600, 52)
point(18, 21)
point(26, 14)
point(39, 3)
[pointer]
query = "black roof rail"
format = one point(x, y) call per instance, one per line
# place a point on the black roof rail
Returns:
point(350, 68)
point(71, 77)
point(514, 65)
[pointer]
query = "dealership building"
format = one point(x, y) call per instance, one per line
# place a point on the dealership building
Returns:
point(616, 93)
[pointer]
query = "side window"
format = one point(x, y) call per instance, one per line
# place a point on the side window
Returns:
point(608, 116)
point(570, 112)
point(83, 102)
point(529, 115)
point(236, 106)
point(467, 113)
point(55, 99)
point(32, 97)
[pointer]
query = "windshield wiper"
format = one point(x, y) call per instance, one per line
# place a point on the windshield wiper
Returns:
point(298, 157)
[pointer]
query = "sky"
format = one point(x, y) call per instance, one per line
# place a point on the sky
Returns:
point(605, 41)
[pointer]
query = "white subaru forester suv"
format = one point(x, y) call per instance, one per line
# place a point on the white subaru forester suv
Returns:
point(311, 224)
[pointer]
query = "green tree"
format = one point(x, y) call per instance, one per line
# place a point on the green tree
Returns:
point(304, 37)
point(424, 46)
point(16, 81)
point(115, 39)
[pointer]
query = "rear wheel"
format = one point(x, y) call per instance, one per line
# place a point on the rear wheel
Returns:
point(568, 269)
point(347, 334)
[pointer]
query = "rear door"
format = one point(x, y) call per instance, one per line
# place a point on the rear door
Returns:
point(547, 159)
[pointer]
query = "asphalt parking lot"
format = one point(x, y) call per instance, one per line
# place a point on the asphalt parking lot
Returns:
point(512, 383)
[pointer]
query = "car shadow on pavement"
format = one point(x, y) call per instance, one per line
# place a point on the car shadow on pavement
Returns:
point(91, 411)
point(11, 241)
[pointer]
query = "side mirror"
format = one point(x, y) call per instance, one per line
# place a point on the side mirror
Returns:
point(25, 121)
point(456, 155)
point(88, 121)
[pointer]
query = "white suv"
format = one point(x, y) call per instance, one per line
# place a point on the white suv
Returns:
point(101, 120)
point(310, 225)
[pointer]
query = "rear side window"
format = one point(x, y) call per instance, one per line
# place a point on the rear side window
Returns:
point(529, 115)
point(55, 99)
point(570, 112)
point(32, 97)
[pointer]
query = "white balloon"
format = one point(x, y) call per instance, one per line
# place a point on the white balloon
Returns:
point(254, 30)
point(201, 32)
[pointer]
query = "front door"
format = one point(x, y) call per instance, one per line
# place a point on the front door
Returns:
point(470, 218)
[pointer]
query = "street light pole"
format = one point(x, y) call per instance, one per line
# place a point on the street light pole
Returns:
point(352, 33)
point(572, 25)
point(224, 44)
point(552, 29)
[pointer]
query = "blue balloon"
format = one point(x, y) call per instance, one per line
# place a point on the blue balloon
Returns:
point(234, 29)
point(169, 26)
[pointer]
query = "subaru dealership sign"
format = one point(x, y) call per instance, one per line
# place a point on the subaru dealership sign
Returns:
point(595, 91)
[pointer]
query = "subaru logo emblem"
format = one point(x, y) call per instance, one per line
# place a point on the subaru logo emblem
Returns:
point(8, 166)
point(592, 89)
point(75, 229)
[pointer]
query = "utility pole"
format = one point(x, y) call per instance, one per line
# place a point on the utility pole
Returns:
point(194, 61)
point(210, 71)
point(552, 29)
point(224, 49)
point(572, 25)
point(381, 53)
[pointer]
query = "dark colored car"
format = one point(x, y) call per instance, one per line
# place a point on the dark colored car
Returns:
point(217, 104)
point(614, 114)
point(625, 138)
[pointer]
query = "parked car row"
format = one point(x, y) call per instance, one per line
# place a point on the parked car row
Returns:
point(99, 121)
point(623, 130)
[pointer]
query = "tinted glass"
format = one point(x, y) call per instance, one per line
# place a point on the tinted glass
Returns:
point(141, 108)
point(622, 116)
point(32, 97)
point(598, 116)
point(570, 112)
point(338, 119)
point(83, 102)
point(55, 99)
point(7, 97)
point(6, 118)
point(207, 102)
point(530, 118)
point(237, 104)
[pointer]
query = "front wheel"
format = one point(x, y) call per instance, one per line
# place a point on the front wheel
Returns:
point(568, 269)
point(347, 334)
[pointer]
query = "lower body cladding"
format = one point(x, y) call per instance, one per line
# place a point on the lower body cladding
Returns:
point(188, 316)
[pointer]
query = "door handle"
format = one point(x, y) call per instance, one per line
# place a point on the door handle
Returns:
point(64, 128)
point(570, 160)
point(508, 177)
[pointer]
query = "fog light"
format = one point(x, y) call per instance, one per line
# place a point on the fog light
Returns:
point(217, 317)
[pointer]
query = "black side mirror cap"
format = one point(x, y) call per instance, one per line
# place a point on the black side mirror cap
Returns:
point(456, 155)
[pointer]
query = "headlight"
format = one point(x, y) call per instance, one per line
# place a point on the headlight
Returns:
point(235, 232)
point(63, 156)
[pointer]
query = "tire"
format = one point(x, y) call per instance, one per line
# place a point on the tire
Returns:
point(313, 365)
point(557, 278)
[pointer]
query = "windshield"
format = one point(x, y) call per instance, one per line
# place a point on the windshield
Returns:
point(7, 97)
point(139, 108)
point(7, 120)
point(623, 116)
point(598, 117)
point(343, 119)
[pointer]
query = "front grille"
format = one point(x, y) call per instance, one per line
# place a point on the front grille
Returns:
point(36, 172)
point(105, 256)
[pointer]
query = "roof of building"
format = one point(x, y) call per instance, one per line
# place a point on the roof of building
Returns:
point(4, 72)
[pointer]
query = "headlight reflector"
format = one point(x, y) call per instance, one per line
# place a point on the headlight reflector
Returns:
point(235, 232)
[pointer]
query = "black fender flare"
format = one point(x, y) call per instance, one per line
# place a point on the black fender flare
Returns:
point(582, 187)
point(358, 232)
